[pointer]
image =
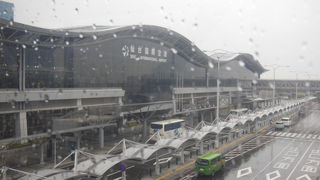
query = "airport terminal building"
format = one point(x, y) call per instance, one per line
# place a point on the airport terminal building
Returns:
point(97, 77)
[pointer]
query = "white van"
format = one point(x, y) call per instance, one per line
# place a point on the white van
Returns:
point(286, 121)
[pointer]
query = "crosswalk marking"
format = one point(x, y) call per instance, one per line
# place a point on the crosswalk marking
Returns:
point(293, 134)
point(274, 133)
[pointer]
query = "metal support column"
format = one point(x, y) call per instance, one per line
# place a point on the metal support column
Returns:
point(78, 138)
point(54, 143)
point(182, 156)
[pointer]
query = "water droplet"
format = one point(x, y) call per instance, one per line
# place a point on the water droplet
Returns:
point(81, 36)
point(36, 48)
point(115, 35)
point(51, 40)
point(304, 45)
point(67, 42)
point(193, 49)
point(77, 10)
point(94, 26)
point(192, 69)
point(228, 68)
point(195, 24)
point(5, 11)
point(174, 50)
point(171, 33)
point(24, 46)
point(94, 37)
point(172, 67)
point(133, 27)
point(211, 65)
point(161, 43)
point(11, 23)
point(100, 55)
point(93, 69)
point(111, 21)
point(241, 63)
point(7, 74)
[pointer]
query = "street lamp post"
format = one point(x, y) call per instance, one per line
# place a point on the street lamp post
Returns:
point(220, 55)
point(296, 72)
point(274, 67)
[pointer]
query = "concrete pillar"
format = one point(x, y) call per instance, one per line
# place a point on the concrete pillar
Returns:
point(42, 145)
point(216, 142)
point(101, 137)
point(79, 104)
point(54, 144)
point(78, 139)
point(21, 125)
point(230, 138)
point(157, 167)
point(202, 116)
point(201, 147)
point(182, 156)
point(238, 95)
point(210, 144)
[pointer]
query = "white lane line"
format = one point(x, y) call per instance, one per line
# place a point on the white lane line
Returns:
point(269, 133)
point(272, 160)
point(300, 160)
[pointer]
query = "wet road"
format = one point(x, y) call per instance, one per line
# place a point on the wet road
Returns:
point(294, 154)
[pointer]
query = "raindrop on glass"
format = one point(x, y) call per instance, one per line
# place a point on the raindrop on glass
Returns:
point(174, 50)
point(241, 63)
point(211, 65)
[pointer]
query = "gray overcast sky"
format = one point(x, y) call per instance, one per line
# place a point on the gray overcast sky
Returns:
point(283, 32)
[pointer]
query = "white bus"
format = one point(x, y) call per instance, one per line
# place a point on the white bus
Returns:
point(167, 128)
point(238, 112)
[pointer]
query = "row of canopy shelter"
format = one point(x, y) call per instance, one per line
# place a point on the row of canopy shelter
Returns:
point(97, 166)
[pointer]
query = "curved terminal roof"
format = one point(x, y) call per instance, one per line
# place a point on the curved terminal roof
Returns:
point(81, 36)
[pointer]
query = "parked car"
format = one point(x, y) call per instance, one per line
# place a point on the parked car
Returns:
point(279, 125)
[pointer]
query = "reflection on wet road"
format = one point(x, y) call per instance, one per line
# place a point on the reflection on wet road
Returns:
point(287, 157)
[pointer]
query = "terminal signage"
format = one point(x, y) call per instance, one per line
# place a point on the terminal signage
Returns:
point(145, 53)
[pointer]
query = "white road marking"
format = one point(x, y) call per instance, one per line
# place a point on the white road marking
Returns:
point(275, 175)
point(318, 137)
point(293, 134)
point(274, 133)
point(275, 157)
point(309, 136)
point(303, 136)
point(289, 134)
point(300, 160)
point(278, 133)
point(315, 136)
point(244, 172)
point(269, 133)
point(284, 134)
point(299, 135)
point(304, 177)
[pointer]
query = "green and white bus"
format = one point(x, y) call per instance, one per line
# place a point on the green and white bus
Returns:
point(209, 163)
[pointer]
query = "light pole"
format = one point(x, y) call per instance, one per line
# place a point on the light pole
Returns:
point(274, 67)
point(217, 55)
point(296, 83)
